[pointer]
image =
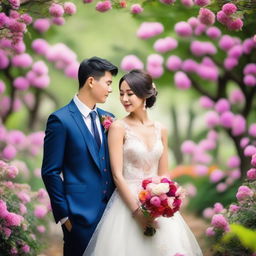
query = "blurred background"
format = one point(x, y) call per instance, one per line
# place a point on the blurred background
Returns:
point(202, 56)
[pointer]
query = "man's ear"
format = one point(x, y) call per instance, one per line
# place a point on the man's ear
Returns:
point(90, 81)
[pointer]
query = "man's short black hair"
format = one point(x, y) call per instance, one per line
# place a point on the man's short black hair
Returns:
point(95, 67)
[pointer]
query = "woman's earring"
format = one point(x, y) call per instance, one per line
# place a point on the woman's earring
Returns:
point(144, 105)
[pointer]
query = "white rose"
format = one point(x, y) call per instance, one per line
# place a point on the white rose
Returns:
point(170, 201)
point(160, 188)
point(181, 193)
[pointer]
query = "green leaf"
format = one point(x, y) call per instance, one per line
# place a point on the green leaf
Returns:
point(245, 235)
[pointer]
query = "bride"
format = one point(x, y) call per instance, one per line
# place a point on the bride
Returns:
point(138, 149)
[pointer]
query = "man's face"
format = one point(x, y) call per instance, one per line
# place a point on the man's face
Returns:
point(102, 87)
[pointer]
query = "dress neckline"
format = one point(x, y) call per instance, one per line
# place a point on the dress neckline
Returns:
point(152, 147)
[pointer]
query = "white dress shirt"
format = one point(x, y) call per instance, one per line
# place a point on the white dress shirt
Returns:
point(85, 111)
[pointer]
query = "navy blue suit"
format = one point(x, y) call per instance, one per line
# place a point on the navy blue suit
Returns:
point(86, 183)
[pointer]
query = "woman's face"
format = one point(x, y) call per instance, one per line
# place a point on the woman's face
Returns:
point(129, 100)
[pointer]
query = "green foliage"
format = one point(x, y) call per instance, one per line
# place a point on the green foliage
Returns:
point(20, 235)
point(245, 235)
point(240, 240)
point(22, 232)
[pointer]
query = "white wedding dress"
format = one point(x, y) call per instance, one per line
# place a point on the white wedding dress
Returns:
point(118, 234)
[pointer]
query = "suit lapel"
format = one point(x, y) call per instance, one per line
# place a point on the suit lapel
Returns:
point(85, 131)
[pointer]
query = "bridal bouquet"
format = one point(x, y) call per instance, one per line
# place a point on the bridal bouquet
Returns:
point(160, 196)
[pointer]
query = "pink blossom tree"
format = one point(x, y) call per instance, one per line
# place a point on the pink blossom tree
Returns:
point(203, 56)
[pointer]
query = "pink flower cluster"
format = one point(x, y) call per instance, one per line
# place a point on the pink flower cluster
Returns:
point(243, 193)
point(63, 57)
point(23, 60)
point(173, 63)
point(149, 29)
point(15, 141)
point(183, 29)
point(220, 222)
point(130, 62)
point(42, 24)
point(56, 11)
point(217, 209)
point(248, 45)
point(13, 26)
point(165, 44)
point(103, 6)
point(223, 115)
point(236, 97)
point(187, 3)
point(181, 80)
point(250, 74)
point(207, 69)
point(202, 48)
point(160, 197)
point(9, 219)
point(8, 171)
point(199, 152)
point(136, 9)
point(226, 17)
point(202, 2)
point(206, 16)
point(155, 65)
point(234, 50)
point(213, 32)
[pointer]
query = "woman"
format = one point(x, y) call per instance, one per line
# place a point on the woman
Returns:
point(138, 150)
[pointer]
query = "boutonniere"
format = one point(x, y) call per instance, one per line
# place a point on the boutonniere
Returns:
point(106, 121)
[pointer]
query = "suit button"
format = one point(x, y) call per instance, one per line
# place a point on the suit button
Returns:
point(105, 170)
point(103, 158)
point(106, 182)
point(104, 191)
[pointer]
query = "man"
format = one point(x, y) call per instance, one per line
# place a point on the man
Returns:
point(76, 166)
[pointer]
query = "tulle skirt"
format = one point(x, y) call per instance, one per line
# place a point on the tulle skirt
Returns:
point(118, 234)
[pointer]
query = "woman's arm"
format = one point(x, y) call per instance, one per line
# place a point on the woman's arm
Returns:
point(163, 162)
point(115, 144)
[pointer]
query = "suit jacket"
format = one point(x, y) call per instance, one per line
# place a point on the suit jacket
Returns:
point(77, 176)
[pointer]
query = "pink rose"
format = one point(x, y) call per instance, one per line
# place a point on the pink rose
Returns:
point(13, 219)
point(25, 248)
point(7, 232)
point(210, 231)
point(234, 208)
point(251, 174)
point(219, 221)
point(155, 200)
point(136, 9)
point(3, 209)
point(243, 193)
point(107, 123)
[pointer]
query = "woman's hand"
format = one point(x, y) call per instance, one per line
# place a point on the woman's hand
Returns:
point(144, 221)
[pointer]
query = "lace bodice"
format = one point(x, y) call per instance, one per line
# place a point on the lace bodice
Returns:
point(139, 161)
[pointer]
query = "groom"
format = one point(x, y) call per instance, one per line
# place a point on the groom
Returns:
point(76, 166)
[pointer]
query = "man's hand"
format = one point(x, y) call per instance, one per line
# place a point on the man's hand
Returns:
point(68, 225)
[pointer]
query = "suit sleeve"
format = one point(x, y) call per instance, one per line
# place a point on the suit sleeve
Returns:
point(54, 149)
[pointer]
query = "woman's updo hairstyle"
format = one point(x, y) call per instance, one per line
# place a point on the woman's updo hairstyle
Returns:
point(141, 84)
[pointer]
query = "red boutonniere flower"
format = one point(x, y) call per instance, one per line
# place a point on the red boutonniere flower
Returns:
point(106, 121)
